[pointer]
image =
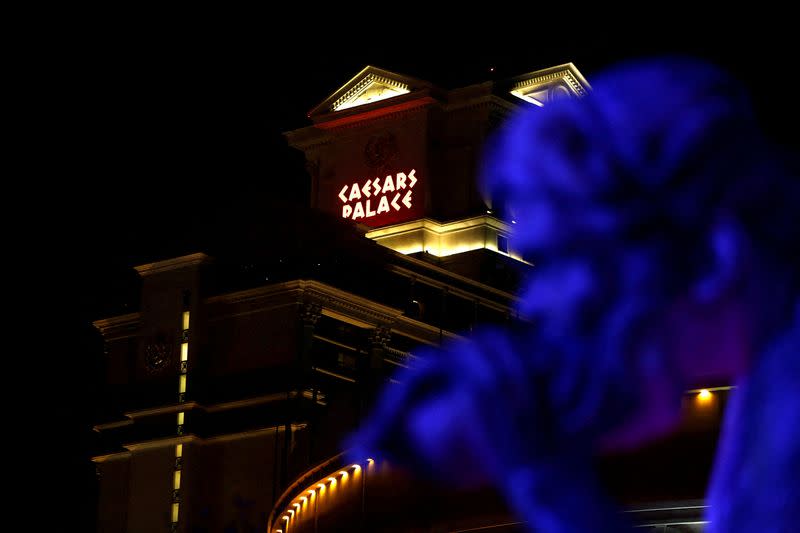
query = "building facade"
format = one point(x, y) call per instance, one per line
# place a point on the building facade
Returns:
point(227, 395)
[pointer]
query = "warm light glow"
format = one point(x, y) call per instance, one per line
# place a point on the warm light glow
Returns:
point(292, 512)
point(543, 86)
point(342, 473)
point(528, 97)
point(311, 492)
point(321, 486)
point(176, 480)
point(371, 460)
point(179, 450)
point(182, 383)
point(441, 240)
point(704, 395)
point(180, 418)
point(372, 88)
point(184, 351)
point(297, 505)
point(175, 510)
point(331, 480)
point(356, 467)
point(186, 320)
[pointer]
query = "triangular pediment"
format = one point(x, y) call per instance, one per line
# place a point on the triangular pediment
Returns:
point(543, 86)
point(367, 87)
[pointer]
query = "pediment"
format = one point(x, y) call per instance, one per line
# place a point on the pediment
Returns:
point(543, 86)
point(369, 86)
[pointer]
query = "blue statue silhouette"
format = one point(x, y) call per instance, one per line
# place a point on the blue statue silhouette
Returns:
point(666, 243)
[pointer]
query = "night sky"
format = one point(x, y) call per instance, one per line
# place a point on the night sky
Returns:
point(166, 139)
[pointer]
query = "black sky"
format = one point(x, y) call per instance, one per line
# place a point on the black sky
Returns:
point(165, 136)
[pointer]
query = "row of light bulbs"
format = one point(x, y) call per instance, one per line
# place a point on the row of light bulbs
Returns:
point(290, 513)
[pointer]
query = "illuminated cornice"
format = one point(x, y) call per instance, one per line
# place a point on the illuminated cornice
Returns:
point(542, 86)
point(118, 327)
point(336, 303)
point(162, 410)
point(371, 88)
point(370, 85)
point(445, 239)
point(176, 263)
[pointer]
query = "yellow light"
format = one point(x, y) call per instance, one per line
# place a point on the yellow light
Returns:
point(311, 492)
point(182, 383)
point(342, 473)
point(304, 499)
point(180, 418)
point(321, 486)
point(331, 479)
point(370, 89)
point(186, 320)
point(704, 395)
point(184, 351)
point(370, 460)
point(176, 480)
point(285, 517)
point(356, 467)
point(175, 511)
point(292, 512)
point(296, 505)
point(179, 450)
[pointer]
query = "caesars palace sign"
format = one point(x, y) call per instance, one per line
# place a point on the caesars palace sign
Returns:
point(373, 197)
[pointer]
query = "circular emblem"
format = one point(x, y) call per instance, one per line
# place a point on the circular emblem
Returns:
point(381, 151)
point(157, 355)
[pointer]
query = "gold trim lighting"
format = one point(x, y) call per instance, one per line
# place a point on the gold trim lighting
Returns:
point(450, 238)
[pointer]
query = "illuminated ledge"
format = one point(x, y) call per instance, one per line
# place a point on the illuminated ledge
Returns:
point(549, 84)
point(441, 240)
point(176, 263)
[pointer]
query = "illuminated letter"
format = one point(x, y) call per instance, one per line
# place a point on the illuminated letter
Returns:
point(365, 189)
point(358, 211)
point(383, 205)
point(407, 200)
point(412, 178)
point(346, 211)
point(401, 181)
point(388, 184)
point(370, 213)
point(342, 196)
point(376, 183)
point(394, 202)
point(355, 192)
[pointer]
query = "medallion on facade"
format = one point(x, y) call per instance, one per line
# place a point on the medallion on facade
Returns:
point(381, 152)
point(158, 354)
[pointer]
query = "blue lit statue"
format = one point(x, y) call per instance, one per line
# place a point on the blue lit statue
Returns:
point(666, 241)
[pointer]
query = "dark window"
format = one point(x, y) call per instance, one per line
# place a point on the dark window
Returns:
point(502, 244)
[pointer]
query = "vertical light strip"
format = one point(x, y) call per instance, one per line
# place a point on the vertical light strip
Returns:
point(182, 378)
